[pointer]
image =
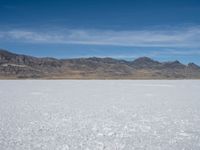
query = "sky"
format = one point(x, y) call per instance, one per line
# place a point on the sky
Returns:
point(164, 30)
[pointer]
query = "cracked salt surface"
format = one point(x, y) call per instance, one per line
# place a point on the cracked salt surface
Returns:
point(92, 115)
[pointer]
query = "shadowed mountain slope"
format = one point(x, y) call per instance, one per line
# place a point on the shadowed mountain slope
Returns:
point(13, 66)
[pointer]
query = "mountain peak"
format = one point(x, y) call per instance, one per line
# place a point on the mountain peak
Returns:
point(144, 62)
point(174, 65)
point(5, 52)
point(193, 66)
point(142, 59)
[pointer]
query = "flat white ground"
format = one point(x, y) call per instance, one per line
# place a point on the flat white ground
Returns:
point(96, 115)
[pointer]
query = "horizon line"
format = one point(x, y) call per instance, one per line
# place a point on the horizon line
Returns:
point(100, 57)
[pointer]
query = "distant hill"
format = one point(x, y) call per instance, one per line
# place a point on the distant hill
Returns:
point(14, 66)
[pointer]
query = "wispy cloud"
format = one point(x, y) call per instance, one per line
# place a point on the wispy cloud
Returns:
point(178, 52)
point(183, 37)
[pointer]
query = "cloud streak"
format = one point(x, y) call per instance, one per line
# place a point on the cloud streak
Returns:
point(183, 37)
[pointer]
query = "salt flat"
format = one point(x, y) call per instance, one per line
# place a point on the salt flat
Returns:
point(92, 115)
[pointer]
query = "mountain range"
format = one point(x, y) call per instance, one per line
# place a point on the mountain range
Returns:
point(17, 66)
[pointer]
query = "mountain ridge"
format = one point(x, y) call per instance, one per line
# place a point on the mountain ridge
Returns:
point(17, 66)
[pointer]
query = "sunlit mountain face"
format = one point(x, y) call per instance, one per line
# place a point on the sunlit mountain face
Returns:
point(17, 66)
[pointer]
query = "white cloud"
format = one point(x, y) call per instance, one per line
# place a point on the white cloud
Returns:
point(183, 37)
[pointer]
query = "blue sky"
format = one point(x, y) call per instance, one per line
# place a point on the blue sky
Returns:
point(125, 29)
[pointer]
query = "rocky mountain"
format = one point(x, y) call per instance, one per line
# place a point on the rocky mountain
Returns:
point(13, 66)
